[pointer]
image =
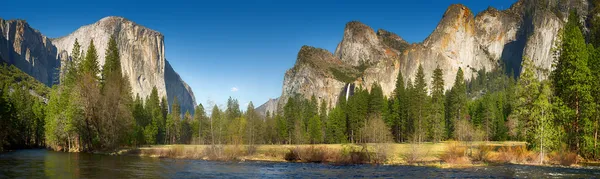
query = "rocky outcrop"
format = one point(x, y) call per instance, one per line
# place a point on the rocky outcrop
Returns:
point(29, 50)
point(142, 55)
point(489, 40)
point(176, 87)
point(268, 107)
point(316, 73)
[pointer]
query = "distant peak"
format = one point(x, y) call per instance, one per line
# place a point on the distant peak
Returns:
point(457, 8)
point(112, 20)
point(356, 27)
point(388, 34)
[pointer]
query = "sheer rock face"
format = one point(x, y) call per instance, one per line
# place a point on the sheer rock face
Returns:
point(142, 53)
point(312, 75)
point(461, 40)
point(176, 87)
point(141, 49)
point(269, 107)
point(28, 50)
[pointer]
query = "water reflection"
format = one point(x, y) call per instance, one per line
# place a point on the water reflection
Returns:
point(48, 164)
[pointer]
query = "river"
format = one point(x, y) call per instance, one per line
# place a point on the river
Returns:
point(48, 164)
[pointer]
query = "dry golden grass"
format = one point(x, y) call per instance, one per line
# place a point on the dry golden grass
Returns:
point(565, 158)
point(513, 154)
point(393, 153)
point(455, 153)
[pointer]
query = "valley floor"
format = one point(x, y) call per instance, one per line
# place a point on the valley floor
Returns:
point(443, 154)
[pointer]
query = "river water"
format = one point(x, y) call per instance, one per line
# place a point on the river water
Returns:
point(48, 164)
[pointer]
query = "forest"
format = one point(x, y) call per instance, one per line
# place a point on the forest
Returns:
point(93, 109)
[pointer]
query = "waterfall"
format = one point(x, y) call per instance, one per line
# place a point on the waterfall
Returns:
point(348, 91)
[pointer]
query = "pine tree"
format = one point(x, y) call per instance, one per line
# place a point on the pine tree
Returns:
point(173, 125)
point(116, 119)
point(594, 65)
point(215, 121)
point(399, 113)
point(527, 91)
point(314, 130)
point(420, 105)
point(155, 129)
point(546, 137)
point(456, 103)
point(438, 123)
point(336, 126)
point(375, 100)
point(323, 116)
point(572, 84)
point(200, 125)
point(90, 63)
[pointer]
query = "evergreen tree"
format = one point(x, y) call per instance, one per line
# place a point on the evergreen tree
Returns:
point(215, 121)
point(336, 125)
point(112, 61)
point(527, 91)
point(437, 121)
point(116, 119)
point(173, 123)
point(546, 136)
point(376, 100)
point(154, 131)
point(572, 84)
point(594, 65)
point(90, 63)
point(314, 130)
point(456, 103)
point(399, 110)
point(420, 106)
point(323, 116)
point(200, 125)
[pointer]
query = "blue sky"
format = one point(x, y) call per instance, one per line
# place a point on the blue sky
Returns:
point(217, 46)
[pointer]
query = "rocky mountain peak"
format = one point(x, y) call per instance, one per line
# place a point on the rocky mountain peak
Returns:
point(359, 45)
point(457, 20)
point(142, 53)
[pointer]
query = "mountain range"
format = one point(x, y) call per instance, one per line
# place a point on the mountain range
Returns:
point(485, 41)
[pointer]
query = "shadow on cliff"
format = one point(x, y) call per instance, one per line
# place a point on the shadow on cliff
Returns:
point(512, 54)
point(18, 60)
point(176, 88)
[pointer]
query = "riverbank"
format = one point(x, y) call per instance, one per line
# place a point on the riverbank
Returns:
point(442, 155)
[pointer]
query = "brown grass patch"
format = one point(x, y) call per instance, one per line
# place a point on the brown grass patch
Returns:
point(455, 154)
point(565, 158)
point(483, 153)
point(513, 154)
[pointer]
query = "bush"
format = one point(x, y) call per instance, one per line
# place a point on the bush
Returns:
point(513, 154)
point(483, 152)
point(415, 153)
point(381, 154)
point(293, 155)
point(565, 158)
point(251, 149)
point(213, 152)
point(455, 154)
point(313, 154)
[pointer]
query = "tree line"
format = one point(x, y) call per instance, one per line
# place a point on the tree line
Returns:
point(94, 109)
point(558, 113)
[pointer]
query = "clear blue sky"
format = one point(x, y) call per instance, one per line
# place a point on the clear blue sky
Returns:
point(247, 45)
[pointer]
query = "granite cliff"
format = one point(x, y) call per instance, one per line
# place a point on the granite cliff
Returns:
point(142, 55)
point(488, 40)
